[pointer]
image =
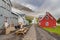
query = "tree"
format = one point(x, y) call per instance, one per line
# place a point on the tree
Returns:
point(29, 18)
point(58, 21)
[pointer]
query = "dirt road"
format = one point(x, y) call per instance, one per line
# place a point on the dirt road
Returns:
point(37, 33)
point(43, 35)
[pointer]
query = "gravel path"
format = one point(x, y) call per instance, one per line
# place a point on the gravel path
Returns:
point(43, 35)
point(10, 37)
point(31, 34)
point(37, 33)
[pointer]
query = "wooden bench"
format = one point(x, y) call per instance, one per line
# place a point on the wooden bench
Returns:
point(21, 31)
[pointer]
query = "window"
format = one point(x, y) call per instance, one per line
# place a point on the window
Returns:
point(1, 15)
point(4, 8)
point(4, 1)
point(7, 2)
point(46, 17)
point(47, 23)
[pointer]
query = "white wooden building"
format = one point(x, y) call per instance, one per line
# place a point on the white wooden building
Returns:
point(5, 11)
point(21, 15)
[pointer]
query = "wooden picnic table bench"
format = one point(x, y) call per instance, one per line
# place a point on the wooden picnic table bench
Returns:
point(21, 31)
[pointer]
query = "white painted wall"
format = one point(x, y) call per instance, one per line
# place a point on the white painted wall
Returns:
point(5, 10)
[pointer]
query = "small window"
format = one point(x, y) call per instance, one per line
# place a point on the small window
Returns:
point(6, 1)
point(46, 17)
point(1, 15)
point(47, 23)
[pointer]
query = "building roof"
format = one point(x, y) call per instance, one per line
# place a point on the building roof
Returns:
point(49, 15)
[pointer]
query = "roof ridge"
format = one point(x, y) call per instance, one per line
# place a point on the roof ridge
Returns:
point(47, 13)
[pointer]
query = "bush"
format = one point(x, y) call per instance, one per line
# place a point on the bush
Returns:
point(58, 21)
point(29, 18)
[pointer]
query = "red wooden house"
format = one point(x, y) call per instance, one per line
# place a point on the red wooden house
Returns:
point(47, 21)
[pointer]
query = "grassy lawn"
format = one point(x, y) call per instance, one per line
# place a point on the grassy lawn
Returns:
point(54, 30)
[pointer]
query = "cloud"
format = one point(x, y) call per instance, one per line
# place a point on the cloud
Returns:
point(32, 4)
point(41, 6)
point(51, 6)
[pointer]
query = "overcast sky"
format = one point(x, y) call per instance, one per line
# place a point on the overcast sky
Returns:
point(53, 6)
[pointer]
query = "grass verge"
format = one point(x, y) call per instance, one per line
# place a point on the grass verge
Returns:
point(54, 30)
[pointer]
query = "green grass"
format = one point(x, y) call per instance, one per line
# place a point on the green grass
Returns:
point(54, 30)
